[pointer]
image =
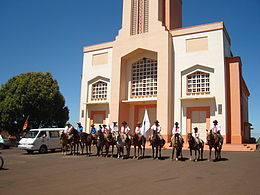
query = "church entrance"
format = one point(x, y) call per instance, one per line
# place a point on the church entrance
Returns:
point(97, 118)
point(198, 119)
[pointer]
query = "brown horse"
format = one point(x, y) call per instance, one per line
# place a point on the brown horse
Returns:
point(65, 143)
point(215, 141)
point(123, 141)
point(177, 144)
point(139, 141)
point(74, 140)
point(100, 142)
point(193, 145)
point(110, 141)
point(157, 144)
point(86, 140)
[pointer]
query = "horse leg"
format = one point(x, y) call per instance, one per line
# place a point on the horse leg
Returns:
point(143, 150)
point(134, 152)
point(201, 153)
point(172, 152)
point(210, 153)
point(160, 152)
point(153, 151)
point(196, 155)
point(112, 150)
point(190, 153)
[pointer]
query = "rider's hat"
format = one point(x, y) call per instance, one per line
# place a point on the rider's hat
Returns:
point(156, 121)
point(92, 125)
point(176, 123)
point(104, 125)
point(79, 123)
point(215, 122)
point(114, 122)
point(124, 123)
point(195, 128)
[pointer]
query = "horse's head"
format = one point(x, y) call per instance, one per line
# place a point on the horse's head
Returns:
point(190, 137)
point(210, 136)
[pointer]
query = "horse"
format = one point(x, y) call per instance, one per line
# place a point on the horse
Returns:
point(86, 140)
point(196, 147)
point(74, 138)
point(215, 141)
point(121, 142)
point(64, 140)
point(157, 143)
point(110, 141)
point(177, 144)
point(139, 141)
point(101, 142)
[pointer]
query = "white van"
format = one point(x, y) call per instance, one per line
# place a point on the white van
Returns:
point(41, 140)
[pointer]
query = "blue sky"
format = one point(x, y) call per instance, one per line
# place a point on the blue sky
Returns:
point(48, 36)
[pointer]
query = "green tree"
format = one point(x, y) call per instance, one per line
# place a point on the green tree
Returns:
point(33, 94)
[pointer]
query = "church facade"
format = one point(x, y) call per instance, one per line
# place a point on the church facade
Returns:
point(178, 74)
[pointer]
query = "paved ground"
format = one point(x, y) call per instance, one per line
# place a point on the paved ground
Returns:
point(52, 173)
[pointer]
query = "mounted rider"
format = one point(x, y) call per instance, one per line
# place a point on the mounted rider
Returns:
point(138, 130)
point(114, 127)
point(216, 130)
point(195, 134)
point(79, 128)
point(68, 128)
point(125, 130)
point(176, 132)
point(105, 129)
point(157, 128)
point(93, 130)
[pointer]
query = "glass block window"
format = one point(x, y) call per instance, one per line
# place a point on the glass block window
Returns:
point(140, 14)
point(144, 78)
point(99, 91)
point(198, 82)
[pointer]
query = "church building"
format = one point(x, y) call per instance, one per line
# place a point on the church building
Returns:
point(178, 74)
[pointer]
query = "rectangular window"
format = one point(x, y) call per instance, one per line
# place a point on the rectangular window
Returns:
point(82, 113)
point(196, 83)
point(197, 44)
point(143, 82)
point(219, 108)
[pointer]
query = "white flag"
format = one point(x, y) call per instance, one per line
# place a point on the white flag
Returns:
point(146, 123)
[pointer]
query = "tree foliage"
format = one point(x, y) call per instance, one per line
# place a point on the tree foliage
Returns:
point(35, 95)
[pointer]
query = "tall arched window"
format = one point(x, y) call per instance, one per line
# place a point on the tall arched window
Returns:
point(99, 91)
point(144, 78)
point(198, 82)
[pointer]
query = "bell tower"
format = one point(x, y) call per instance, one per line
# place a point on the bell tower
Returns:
point(144, 16)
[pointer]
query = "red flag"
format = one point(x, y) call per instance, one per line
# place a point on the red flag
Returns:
point(25, 125)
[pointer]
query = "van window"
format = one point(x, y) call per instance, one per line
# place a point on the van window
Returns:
point(31, 134)
point(42, 134)
point(54, 134)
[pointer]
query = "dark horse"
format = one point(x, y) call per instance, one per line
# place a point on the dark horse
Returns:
point(215, 141)
point(121, 142)
point(86, 140)
point(157, 143)
point(110, 141)
point(177, 144)
point(193, 145)
point(139, 141)
point(74, 139)
point(101, 142)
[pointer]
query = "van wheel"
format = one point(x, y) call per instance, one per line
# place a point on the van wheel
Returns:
point(2, 146)
point(29, 151)
point(43, 149)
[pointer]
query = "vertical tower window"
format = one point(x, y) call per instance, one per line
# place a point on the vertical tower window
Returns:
point(140, 15)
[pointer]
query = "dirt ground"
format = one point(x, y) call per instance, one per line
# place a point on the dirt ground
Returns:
point(53, 173)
